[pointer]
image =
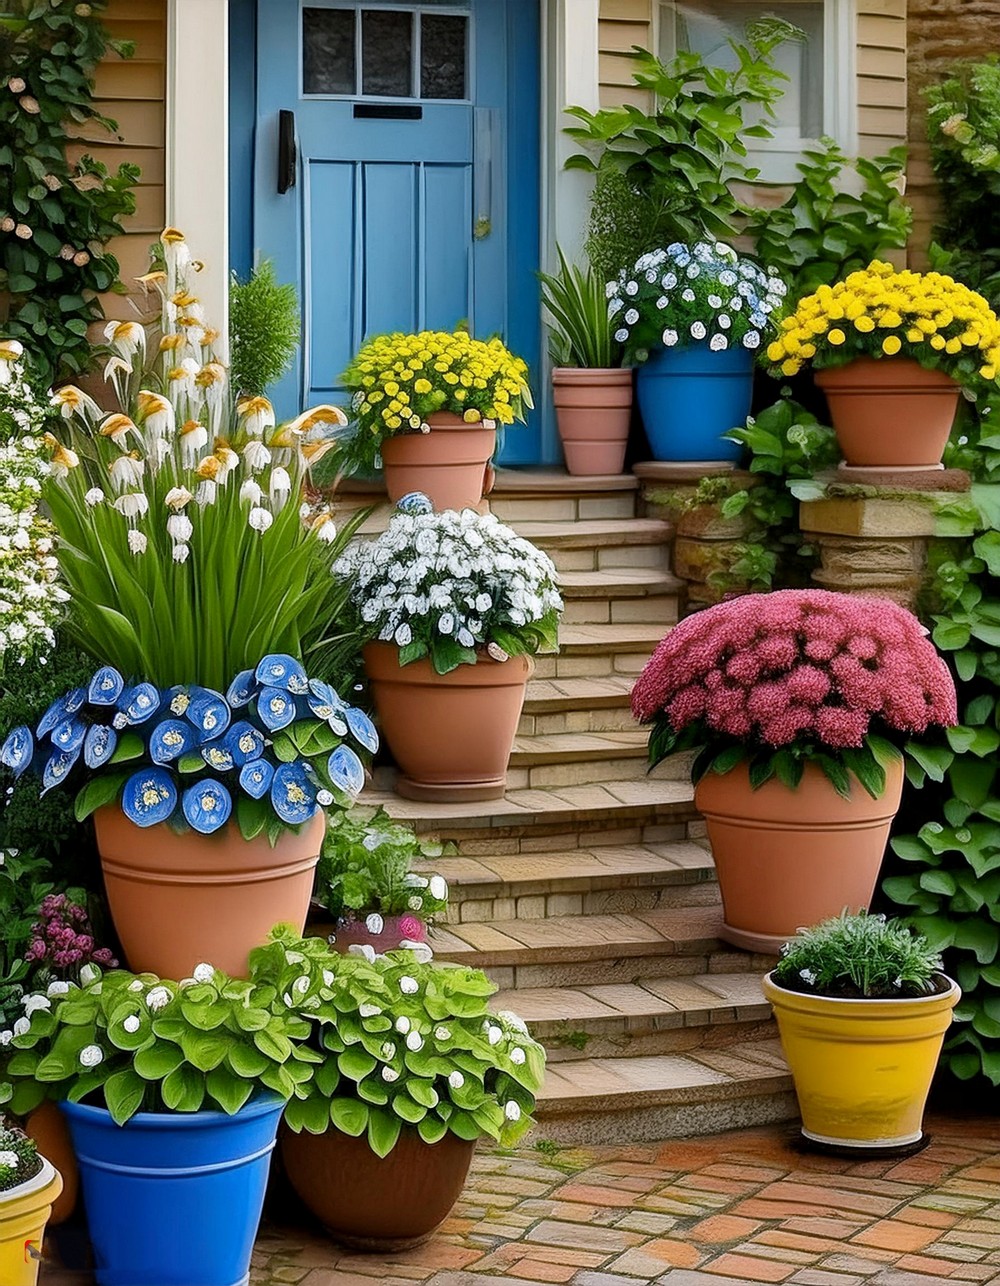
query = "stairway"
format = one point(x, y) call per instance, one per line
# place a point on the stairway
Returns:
point(587, 893)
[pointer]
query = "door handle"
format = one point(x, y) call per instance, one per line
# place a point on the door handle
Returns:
point(486, 126)
point(288, 153)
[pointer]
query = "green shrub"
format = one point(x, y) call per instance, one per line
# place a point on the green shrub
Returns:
point(859, 957)
point(264, 330)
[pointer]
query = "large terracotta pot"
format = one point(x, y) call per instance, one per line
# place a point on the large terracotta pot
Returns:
point(890, 412)
point(787, 859)
point(450, 465)
point(178, 900)
point(377, 1203)
point(451, 734)
point(593, 411)
point(47, 1126)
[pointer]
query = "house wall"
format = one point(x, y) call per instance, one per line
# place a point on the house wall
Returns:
point(623, 23)
point(881, 75)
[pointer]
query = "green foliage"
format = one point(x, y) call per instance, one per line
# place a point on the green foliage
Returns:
point(822, 231)
point(580, 331)
point(264, 330)
point(19, 1159)
point(24, 881)
point(398, 1043)
point(859, 957)
point(680, 159)
point(56, 216)
point(366, 865)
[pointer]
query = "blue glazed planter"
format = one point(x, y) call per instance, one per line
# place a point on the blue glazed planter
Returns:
point(174, 1199)
point(690, 396)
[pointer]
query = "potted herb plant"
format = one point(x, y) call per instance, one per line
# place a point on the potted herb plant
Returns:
point(412, 1069)
point(693, 317)
point(452, 606)
point(173, 1093)
point(426, 407)
point(798, 703)
point(862, 1007)
point(591, 390)
point(365, 883)
point(29, 1185)
point(892, 348)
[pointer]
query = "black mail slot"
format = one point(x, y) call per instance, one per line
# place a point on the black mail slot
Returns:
point(386, 112)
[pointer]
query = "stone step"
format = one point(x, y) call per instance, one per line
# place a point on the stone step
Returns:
point(701, 1091)
point(577, 705)
point(578, 546)
point(619, 596)
point(549, 761)
point(594, 651)
point(654, 1016)
point(601, 880)
point(550, 495)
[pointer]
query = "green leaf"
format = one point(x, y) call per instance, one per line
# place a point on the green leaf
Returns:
point(184, 1090)
point(934, 760)
point(98, 792)
point(311, 1114)
point(252, 815)
point(123, 1094)
point(355, 1063)
point(130, 746)
point(407, 1109)
point(383, 1131)
point(229, 1090)
point(349, 1116)
point(274, 1044)
point(432, 1129)
point(158, 1060)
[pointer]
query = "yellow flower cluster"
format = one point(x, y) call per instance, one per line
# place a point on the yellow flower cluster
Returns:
point(881, 312)
point(398, 380)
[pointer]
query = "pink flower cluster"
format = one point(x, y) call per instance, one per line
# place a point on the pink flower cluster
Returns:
point(62, 937)
point(773, 668)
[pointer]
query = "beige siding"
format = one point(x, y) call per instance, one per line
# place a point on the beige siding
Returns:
point(623, 23)
point(881, 75)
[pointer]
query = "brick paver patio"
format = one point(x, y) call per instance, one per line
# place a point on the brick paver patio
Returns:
point(740, 1207)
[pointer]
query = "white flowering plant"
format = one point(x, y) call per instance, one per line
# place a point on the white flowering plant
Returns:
point(31, 597)
point(19, 1159)
point(400, 1043)
point(451, 586)
point(703, 293)
point(181, 537)
point(138, 1043)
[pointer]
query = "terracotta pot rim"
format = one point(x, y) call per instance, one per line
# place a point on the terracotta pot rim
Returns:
point(423, 664)
point(890, 372)
point(860, 1007)
point(437, 422)
point(592, 374)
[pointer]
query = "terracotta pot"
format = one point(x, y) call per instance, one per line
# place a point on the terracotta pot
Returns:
point(372, 1203)
point(449, 464)
point(593, 411)
point(177, 900)
point(451, 734)
point(787, 859)
point(890, 413)
point(343, 934)
point(47, 1126)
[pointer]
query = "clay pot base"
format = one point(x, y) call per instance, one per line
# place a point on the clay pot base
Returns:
point(761, 944)
point(379, 1245)
point(457, 793)
point(859, 1151)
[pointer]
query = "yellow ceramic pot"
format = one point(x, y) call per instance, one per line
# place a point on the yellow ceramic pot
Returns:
point(862, 1068)
point(24, 1212)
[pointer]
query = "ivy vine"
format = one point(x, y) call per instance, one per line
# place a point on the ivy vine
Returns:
point(56, 216)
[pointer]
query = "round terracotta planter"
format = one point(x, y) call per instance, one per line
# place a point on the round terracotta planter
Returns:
point(450, 465)
point(451, 734)
point(344, 934)
point(377, 1203)
point(593, 411)
point(178, 900)
point(47, 1126)
point(787, 859)
point(890, 413)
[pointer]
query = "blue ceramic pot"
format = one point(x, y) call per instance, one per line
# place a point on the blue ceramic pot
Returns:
point(690, 396)
point(174, 1199)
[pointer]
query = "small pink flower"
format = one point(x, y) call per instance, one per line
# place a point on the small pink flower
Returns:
point(411, 928)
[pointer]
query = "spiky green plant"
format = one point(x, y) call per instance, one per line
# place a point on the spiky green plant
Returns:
point(264, 330)
point(580, 333)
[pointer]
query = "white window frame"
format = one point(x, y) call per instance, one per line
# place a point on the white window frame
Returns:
point(777, 159)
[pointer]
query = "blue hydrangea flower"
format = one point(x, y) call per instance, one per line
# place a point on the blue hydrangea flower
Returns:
point(17, 751)
point(171, 739)
point(278, 670)
point(293, 795)
point(207, 805)
point(106, 686)
point(244, 742)
point(346, 770)
point(149, 797)
point(139, 703)
point(362, 728)
point(176, 701)
point(325, 703)
point(65, 705)
point(99, 745)
point(275, 708)
point(217, 756)
point(255, 778)
point(242, 689)
point(69, 734)
point(58, 767)
point(414, 503)
point(208, 711)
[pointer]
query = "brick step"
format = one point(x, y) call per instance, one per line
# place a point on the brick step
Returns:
point(701, 1091)
point(549, 761)
point(553, 496)
point(599, 543)
point(654, 1016)
point(578, 705)
point(601, 880)
point(619, 596)
point(597, 650)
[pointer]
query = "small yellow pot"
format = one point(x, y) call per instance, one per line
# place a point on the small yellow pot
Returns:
point(24, 1212)
point(862, 1068)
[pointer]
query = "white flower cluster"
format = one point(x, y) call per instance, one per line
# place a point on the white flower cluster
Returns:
point(705, 293)
point(455, 575)
point(30, 596)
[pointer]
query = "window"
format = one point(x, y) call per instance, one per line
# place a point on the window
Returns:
point(819, 97)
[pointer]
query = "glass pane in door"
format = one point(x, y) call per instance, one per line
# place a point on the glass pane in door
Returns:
point(328, 60)
point(387, 53)
point(443, 56)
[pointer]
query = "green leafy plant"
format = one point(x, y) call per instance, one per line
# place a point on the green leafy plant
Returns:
point(264, 330)
point(367, 866)
point(56, 215)
point(580, 331)
point(19, 1159)
point(398, 1043)
point(865, 957)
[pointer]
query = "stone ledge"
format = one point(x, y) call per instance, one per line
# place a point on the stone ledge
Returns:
point(677, 473)
point(925, 480)
point(874, 517)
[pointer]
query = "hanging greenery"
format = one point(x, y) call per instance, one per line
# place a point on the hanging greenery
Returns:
point(56, 215)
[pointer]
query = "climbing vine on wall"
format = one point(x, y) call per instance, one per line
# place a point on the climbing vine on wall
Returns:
point(56, 215)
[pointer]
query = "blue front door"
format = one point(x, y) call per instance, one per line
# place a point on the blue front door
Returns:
point(395, 176)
